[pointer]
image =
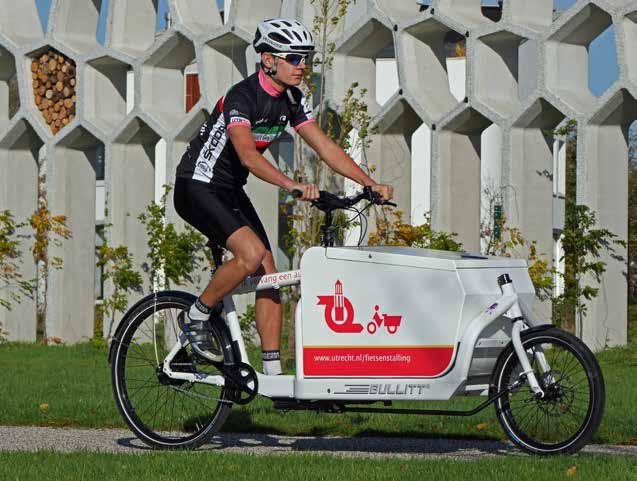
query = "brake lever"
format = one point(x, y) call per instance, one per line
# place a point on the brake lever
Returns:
point(374, 197)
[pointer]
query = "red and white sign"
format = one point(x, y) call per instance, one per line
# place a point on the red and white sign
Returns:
point(376, 361)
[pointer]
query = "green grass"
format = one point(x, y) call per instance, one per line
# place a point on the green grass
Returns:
point(74, 381)
point(204, 465)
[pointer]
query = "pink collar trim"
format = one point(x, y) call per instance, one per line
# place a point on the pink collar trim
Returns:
point(267, 86)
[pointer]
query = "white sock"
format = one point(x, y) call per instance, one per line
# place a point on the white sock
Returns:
point(199, 312)
point(272, 363)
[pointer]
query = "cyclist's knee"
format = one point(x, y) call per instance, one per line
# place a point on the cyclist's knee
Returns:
point(251, 259)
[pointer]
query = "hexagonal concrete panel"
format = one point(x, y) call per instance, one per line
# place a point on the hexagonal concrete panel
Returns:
point(247, 15)
point(457, 185)
point(503, 57)
point(536, 14)
point(22, 26)
point(198, 16)
point(225, 63)
point(531, 174)
point(19, 156)
point(162, 80)
point(105, 86)
point(391, 151)
point(603, 187)
point(630, 29)
point(131, 184)
point(71, 190)
point(433, 51)
point(469, 12)
point(9, 91)
point(399, 11)
point(567, 56)
point(132, 25)
point(74, 24)
point(356, 61)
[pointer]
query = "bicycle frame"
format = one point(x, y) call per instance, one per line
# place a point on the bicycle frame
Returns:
point(450, 383)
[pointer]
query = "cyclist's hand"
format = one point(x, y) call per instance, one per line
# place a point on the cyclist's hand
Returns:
point(386, 191)
point(309, 191)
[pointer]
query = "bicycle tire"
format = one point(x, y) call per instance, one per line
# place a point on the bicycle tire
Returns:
point(569, 359)
point(186, 436)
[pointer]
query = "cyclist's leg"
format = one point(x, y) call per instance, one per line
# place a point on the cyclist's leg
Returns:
point(248, 252)
point(268, 319)
point(268, 304)
point(268, 310)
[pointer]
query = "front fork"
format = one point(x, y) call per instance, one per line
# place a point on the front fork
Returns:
point(515, 314)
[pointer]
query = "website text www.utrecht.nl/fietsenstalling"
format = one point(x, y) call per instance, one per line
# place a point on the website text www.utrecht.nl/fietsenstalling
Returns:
point(400, 358)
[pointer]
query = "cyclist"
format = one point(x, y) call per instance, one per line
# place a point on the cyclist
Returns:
point(209, 191)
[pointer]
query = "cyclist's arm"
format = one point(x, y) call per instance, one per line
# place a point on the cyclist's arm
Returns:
point(333, 155)
point(243, 142)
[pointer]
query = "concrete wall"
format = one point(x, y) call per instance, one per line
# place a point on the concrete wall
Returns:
point(444, 126)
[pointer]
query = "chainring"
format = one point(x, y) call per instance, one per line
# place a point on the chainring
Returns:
point(238, 378)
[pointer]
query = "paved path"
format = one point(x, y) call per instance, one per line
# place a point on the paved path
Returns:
point(123, 441)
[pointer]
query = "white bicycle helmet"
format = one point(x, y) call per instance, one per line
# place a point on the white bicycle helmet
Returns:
point(281, 35)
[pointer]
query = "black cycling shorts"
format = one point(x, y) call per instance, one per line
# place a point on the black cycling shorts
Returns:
point(216, 212)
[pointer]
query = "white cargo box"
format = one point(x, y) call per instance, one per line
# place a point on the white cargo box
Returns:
point(393, 311)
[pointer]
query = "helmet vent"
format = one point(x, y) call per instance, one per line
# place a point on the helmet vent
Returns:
point(279, 38)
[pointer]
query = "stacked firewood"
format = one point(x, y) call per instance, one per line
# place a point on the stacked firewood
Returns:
point(54, 88)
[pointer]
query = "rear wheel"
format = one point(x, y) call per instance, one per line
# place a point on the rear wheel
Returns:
point(565, 419)
point(163, 412)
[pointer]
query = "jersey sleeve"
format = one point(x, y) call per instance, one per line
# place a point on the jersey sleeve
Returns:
point(301, 112)
point(238, 109)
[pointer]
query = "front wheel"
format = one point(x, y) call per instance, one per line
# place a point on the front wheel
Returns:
point(163, 412)
point(564, 420)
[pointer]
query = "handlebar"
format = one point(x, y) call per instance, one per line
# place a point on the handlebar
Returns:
point(329, 202)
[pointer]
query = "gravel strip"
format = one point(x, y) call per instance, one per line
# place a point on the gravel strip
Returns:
point(122, 441)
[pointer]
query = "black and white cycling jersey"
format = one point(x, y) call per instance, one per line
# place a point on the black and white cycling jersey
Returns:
point(254, 103)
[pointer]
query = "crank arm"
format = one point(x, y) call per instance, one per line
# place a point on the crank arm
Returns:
point(198, 377)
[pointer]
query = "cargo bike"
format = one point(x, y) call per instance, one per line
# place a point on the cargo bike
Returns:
point(374, 325)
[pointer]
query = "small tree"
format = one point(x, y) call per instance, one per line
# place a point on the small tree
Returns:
point(174, 256)
point(117, 263)
point(48, 230)
point(582, 245)
point(397, 233)
point(498, 239)
point(248, 324)
point(13, 287)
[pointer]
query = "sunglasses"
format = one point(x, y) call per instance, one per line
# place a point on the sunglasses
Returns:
point(295, 59)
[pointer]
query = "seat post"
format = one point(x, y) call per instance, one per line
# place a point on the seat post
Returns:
point(217, 253)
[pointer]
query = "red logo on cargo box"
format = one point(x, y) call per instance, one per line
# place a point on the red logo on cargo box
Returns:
point(339, 312)
point(392, 323)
